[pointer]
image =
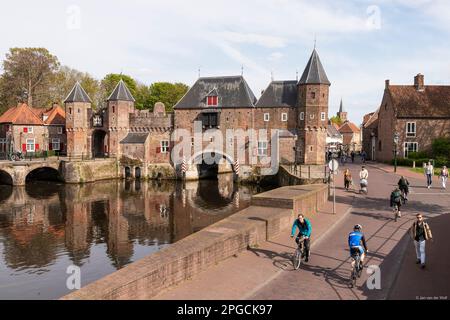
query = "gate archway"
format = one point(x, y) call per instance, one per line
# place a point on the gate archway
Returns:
point(99, 144)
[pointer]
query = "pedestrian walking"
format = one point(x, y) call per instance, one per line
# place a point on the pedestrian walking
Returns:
point(420, 232)
point(429, 171)
point(353, 156)
point(444, 177)
point(347, 179)
point(363, 156)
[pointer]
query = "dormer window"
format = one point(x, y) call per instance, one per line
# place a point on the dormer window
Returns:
point(212, 101)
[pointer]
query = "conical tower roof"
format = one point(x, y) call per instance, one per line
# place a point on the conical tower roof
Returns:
point(121, 93)
point(78, 95)
point(314, 72)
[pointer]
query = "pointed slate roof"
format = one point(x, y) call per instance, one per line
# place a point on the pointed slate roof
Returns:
point(78, 95)
point(233, 92)
point(121, 93)
point(314, 72)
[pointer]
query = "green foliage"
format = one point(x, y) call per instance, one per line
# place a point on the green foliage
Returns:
point(441, 147)
point(418, 155)
point(337, 120)
point(167, 93)
point(28, 76)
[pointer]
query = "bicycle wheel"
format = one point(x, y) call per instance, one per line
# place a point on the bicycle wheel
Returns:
point(396, 213)
point(353, 278)
point(297, 259)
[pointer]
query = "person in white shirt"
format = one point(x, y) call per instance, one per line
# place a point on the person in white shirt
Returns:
point(429, 171)
point(444, 177)
point(364, 174)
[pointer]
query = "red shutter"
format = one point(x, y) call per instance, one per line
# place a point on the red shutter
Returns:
point(25, 129)
point(24, 147)
point(215, 101)
point(158, 150)
point(50, 146)
point(37, 146)
point(208, 101)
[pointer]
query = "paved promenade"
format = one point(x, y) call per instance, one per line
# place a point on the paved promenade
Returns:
point(267, 273)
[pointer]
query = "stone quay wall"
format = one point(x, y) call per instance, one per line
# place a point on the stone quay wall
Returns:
point(269, 214)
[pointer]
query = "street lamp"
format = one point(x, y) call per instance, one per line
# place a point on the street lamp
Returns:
point(396, 138)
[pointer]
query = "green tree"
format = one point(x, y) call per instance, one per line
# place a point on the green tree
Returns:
point(337, 120)
point(167, 93)
point(28, 75)
point(441, 147)
point(143, 98)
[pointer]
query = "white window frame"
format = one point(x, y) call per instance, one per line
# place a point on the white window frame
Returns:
point(406, 151)
point(56, 144)
point(322, 116)
point(165, 145)
point(266, 117)
point(312, 116)
point(302, 116)
point(59, 130)
point(33, 144)
point(284, 117)
point(262, 148)
point(3, 143)
point(29, 129)
point(411, 133)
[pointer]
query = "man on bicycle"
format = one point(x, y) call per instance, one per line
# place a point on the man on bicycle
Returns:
point(403, 185)
point(396, 200)
point(304, 227)
point(355, 239)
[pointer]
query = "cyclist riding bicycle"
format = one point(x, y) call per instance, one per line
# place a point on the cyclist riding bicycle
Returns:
point(355, 239)
point(396, 199)
point(304, 227)
point(403, 185)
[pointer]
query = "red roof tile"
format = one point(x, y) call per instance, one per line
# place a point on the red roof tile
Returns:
point(21, 114)
point(349, 127)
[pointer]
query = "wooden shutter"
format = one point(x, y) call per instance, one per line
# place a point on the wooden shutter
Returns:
point(24, 147)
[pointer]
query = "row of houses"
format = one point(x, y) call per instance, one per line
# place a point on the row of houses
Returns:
point(297, 108)
point(417, 114)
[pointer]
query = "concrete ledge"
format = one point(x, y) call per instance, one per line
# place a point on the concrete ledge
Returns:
point(181, 261)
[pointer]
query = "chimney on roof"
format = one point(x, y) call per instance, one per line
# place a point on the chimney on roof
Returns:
point(419, 82)
point(388, 82)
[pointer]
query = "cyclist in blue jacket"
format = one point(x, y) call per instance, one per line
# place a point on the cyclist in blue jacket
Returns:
point(304, 227)
point(355, 239)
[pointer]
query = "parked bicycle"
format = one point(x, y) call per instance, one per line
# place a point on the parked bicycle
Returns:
point(299, 254)
point(16, 156)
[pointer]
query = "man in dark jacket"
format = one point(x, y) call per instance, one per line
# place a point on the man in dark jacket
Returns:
point(403, 185)
point(420, 232)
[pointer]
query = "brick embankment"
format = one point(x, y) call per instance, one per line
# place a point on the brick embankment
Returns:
point(185, 259)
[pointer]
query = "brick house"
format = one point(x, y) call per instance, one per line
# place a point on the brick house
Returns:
point(419, 113)
point(31, 130)
point(369, 134)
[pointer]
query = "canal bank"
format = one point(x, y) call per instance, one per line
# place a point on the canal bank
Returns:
point(100, 227)
point(269, 214)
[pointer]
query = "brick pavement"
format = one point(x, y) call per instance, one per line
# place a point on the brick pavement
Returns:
point(266, 272)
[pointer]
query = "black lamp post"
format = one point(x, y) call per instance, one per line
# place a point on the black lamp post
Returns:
point(396, 138)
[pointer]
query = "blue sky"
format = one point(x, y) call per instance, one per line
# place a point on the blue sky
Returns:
point(361, 43)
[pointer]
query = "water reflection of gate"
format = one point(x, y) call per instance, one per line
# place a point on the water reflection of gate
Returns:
point(77, 222)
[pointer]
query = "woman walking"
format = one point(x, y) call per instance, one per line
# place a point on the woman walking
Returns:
point(444, 177)
point(347, 179)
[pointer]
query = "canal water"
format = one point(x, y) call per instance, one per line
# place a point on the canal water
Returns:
point(46, 227)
